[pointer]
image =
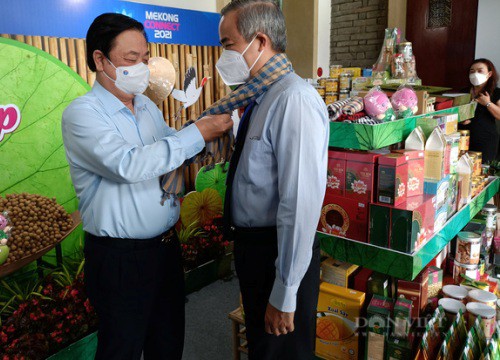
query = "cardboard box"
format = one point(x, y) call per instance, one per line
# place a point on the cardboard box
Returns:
point(361, 279)
point(440, 218)
point(337, 335)
point(402, 318)
point(404, 227)
point(379, 284)
point(447, 123)
point(378, 317)
point(415, 184)
point(458, 98)
point(416, 291)
point(399, 349)
point(344, 217)
point(392, 178)
point(452, 197)
point(361, 175)
point(439, 189)
point(336, 172)
point(337, 272)
point(435, 281)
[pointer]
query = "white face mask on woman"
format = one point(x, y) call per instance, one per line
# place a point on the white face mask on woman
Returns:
point(232, 67)
point(477, 79)
point(133, 79)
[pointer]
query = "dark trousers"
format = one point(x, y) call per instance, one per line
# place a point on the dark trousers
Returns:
point(255, 254)
point(137, 290)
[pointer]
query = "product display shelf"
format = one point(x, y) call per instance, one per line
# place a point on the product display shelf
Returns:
point(370, 137)
point(7, 269)
point(401, 265)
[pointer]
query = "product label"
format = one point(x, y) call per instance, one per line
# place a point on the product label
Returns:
point(434, 164)
point(376, 346)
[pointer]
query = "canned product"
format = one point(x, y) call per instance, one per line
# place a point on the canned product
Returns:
point(468, 248)
point(321, 91)
point(471, 271)
point(455, 292)
point(464, 140)
point(487, 314)
point(405, 48)
point(345, 82)
point(332, 85)
point(322, 82)
point(484, 297)
point(489, 215)
point(451, 308)
point(344, 94)
point(335, 70)
point(478, 160)
point(331, 97)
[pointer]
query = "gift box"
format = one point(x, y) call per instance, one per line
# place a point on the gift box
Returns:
point(416, 291)
point(447, 123)
point(341, 216)
point(435, 281)
point(439, 189)
point(378, 318)
point(404, 227)
point(360, 175)
point(337, 272)
point(399, 349)
point(379, 284)
point(361, 279)
point(392, 178)
point(415, 184)
point(402, 318)
point(452, 197)
point(336, 172)
point(440, 218)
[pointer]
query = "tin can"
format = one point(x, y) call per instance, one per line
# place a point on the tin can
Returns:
point(471, 271)
point(468, 248)
point(405, 48)
point(332, 85)
point(464, 140)
point(489, 215)
point(484, 297)
point(344, 94)
point(397, 66)
point(331, 97)
point(478, 160)
point(451, 307)
point(488, 317)
point(321, 91)
point(345, 82)
point(335, 71)
point(455, 292)
point(322, 82)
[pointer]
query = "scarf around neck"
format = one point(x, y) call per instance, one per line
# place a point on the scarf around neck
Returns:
point(218, 150)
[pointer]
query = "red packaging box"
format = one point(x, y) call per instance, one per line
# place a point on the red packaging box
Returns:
point(415, 158)
point(336, 172)
point(392, 179)
point(344, 217)
point(361, 279)
point(360, 175)
point(416, 291)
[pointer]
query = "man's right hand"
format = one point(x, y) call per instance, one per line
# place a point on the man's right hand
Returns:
point(213, 126)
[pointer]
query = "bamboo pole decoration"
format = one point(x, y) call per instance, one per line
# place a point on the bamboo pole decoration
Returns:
point(63, 51)
point(208, 87)
point(177, 68)
point(53, 47)
point(37, 42)
point(81, 62)
point(191, 111)
point(19, 38)
point(171, 102)
point(7, 36)
point(72, 55)
point(182, 62)
point(45, 44)
point(28, 40)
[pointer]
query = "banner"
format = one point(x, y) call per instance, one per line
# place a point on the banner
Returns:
point(72, 18)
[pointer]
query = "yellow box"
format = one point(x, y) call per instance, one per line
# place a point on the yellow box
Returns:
point(361, 82)
point(339, 309)
point(356, 71)
point(337, 272)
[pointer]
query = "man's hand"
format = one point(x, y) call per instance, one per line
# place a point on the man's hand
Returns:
point(213, 126)
point(278, 322)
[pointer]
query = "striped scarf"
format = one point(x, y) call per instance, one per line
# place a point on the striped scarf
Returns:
point(278, 66)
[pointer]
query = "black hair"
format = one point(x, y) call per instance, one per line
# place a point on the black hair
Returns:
point(103, 32)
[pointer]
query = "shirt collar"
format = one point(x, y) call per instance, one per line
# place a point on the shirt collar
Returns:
point(259, 99)
point(111, 103)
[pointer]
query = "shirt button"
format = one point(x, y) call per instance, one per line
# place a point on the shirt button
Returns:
point(232, 228)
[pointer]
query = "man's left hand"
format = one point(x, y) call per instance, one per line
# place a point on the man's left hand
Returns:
point(278, 322)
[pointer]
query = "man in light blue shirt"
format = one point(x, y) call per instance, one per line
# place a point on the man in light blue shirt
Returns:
point(277, 190)
point(118, 145)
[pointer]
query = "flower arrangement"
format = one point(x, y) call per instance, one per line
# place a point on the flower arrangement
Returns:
point(47, 320)
point(202, 244)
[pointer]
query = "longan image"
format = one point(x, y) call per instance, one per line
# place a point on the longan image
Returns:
point(330, 328)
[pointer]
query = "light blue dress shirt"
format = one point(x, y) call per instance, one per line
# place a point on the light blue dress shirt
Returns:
point(116, 159)
point(281, 178)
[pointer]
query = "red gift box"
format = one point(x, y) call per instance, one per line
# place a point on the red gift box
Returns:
point(336, 172)
point(344, 217)
point(416, 291)
point(392, 179)
point(360, 175)
point(361, 279)
point(415, 158)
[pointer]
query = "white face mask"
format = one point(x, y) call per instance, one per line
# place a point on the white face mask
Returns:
point(133, 79)
point(477, 79)
point(232, 67)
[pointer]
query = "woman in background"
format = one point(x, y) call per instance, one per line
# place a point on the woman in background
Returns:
point(483, 131)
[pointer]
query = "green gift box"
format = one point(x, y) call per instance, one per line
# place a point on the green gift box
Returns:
point(435, 281)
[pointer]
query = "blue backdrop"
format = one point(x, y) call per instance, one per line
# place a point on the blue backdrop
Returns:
point(72, 18)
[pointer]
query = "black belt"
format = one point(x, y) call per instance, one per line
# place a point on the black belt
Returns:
point(124, 243)
point(253, 233)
